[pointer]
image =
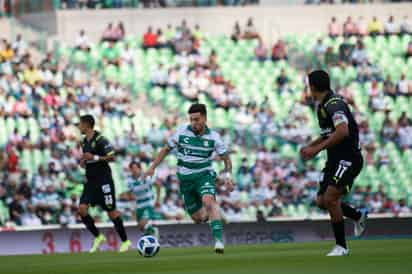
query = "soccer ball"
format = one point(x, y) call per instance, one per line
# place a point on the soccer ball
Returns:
point(148, 246)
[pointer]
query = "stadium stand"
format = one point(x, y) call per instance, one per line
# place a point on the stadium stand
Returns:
point(257, 100)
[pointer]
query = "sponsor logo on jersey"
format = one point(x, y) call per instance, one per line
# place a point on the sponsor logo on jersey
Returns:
point(339, 117)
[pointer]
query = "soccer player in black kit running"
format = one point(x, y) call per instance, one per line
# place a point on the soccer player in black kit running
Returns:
point(99, 186)
point(340, 137)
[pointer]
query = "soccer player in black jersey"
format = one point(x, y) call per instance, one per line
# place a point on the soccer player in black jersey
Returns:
point(99, 187)
point(340, 137)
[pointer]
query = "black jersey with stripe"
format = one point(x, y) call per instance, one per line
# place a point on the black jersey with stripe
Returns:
point(332, 111)
point(100, 146)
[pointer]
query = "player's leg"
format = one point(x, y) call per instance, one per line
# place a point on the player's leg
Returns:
point(200, 216)
point(344, 183)
point(107, 202)
point(216, 225)
point(359, 216)
point(85, 200)
point(115, 216)
point(147, 228)
point(91, 226)
point(332, 199)
point(350, 212)
point(193, 202)
point(201, 205)
point(144, 218)
point(88, 220)
point(347, 210)
point(206, 189)
point(88, 197)
point(320, 201)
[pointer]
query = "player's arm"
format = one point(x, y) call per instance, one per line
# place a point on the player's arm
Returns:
point(108, 151)
point(158, 187)
point(223, 153)
point(227, 173)
point(170, 145)
point(227, 162)
point(341, 131)
point(107, 158)
point(315, 142)
point(336, 111)
point(156, 162)
point(130, 195)
point(105, 148)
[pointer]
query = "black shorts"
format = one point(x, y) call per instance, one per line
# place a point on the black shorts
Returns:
point(99, 192)
point(341, 174)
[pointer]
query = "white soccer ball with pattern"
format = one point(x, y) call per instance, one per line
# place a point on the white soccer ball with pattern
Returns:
point(148, 246)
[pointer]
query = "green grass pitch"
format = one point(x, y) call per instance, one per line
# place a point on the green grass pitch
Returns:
point(367, 257)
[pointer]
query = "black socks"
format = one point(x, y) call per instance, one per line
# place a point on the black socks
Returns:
point(350, 212)
point(89, 223)
point(339, 231)
point(118, 225)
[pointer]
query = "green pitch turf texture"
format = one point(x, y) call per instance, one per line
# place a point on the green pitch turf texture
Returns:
point(367, 257)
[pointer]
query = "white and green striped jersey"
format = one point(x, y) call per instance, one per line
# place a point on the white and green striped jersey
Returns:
point(195, 153)
point(143, 190)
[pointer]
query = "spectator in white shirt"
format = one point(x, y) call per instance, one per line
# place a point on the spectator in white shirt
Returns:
point(82, 41)
point(30, 218)
point(403, 86)
point(401, 207)
point(19, 46)
point(390, 26)
point(405, 134)
point(127, 55)
point(170, 210)
point(359, 54)
point(405, 27)
point(159, 76)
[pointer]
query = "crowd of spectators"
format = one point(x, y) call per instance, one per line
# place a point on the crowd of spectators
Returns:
point(52, 93)
point(117, 4)
point(374, 27)
point(268, 181)
point(354, 57)
point(194, 73)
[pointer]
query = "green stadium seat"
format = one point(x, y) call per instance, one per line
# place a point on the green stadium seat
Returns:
point(4, 213)
point(3, 133)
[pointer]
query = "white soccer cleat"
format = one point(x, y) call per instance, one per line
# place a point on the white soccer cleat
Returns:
point(360, 225)
point(219, 247)
point(338, 251)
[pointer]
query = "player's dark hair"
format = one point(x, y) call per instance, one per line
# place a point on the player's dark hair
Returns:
point(320, 80)
point(88, 119)
point(198, 108)
point(132, 163)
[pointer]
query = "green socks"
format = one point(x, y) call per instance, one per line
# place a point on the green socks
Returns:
point(217, 228)
point(149, 230)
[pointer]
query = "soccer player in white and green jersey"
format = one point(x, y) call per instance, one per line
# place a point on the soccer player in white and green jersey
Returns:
point(142, 190)
point(195, 145)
